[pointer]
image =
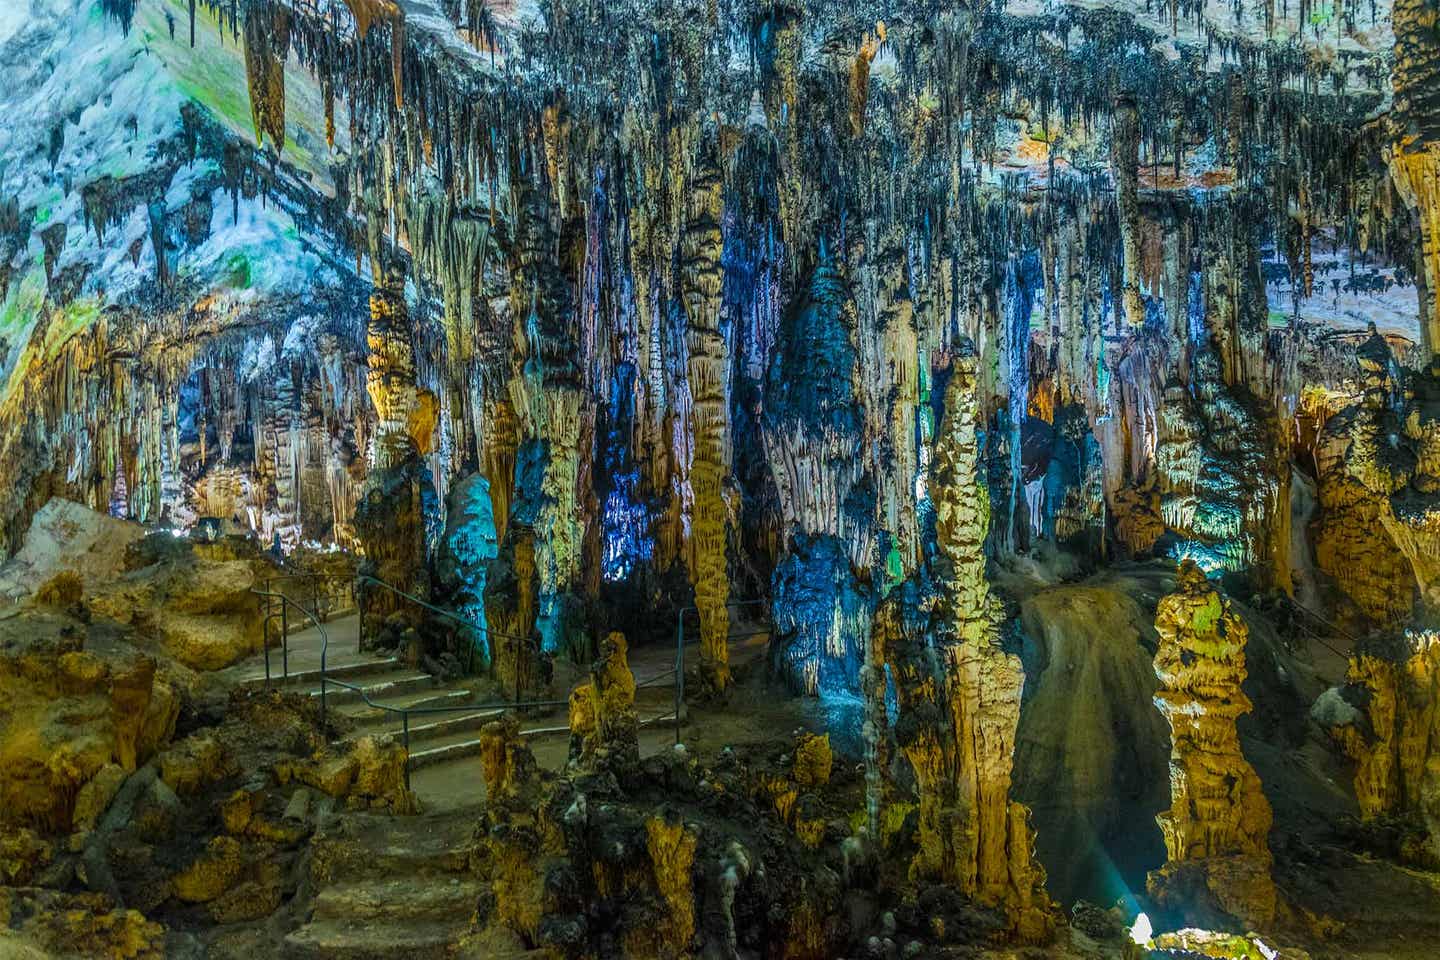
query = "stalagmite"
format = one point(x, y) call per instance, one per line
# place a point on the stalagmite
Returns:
point(1392, 733)
point(958, 714)
point(571, 320)
point(708, 379)
point(390, 519)
point(602, 712)
point(1217, 854)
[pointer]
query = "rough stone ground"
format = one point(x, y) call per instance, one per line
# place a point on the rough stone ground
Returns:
point(404, 878)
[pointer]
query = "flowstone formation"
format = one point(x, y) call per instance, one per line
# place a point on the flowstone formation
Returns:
point(1217, 852)
point(1385, 720)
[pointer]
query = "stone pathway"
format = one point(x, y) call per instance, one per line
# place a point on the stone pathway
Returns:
point(396, 887)
point(445, 719)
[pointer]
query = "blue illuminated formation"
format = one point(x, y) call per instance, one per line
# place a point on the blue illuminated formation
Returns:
point(627, 543)
point(822, 617)
point(469, 545)
point(1020, 280)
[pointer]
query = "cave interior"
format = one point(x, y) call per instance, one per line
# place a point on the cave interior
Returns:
point(767, 479)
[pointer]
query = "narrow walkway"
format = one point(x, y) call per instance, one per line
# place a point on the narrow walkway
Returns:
point(445, 719)
point(304, 654)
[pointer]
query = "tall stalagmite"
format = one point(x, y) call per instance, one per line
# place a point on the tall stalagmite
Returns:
point(390, 517)
point(708, 367)
point(1218, 860)
point(960, 703)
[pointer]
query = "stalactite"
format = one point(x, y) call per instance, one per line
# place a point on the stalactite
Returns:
point(1125, 164)
point(267, 44)
point(860, 78)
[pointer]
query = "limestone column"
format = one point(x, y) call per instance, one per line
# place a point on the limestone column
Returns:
point(960, 706)
point(708, 372)
point(1415, 161)
point(390, 517)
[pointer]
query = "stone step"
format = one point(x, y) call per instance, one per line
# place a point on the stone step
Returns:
point(348, 940)
point(310, 677)
point(457, 746)
point(376, 846)
point(399, 899)
point(465, 742)
point(381, 688)
point(425, 728)
point(365, 715)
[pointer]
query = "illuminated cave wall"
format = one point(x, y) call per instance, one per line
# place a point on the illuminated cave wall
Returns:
point(687, 292)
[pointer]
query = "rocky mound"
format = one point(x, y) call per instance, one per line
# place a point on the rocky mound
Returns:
point(65, 536)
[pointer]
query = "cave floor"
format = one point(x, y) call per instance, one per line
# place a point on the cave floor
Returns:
point(445, 769)
point(1382, 910)
point(342, 653)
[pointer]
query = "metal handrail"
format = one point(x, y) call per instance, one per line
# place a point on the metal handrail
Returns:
point(1320, 617)
point(677, 672)
point(285, 641)
point(405, 712)
point(1296, 605)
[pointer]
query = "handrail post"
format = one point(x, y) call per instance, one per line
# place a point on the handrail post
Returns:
point(405, 726)
point(324, 644)
point(285, 641)
point(679, 669)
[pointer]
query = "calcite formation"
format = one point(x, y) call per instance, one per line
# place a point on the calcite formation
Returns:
point(1392, 733)
point(603, 723)
point(701, 329)
point(708, 370)
point(369, 774)
point(1216, 830)
point(70, 718)
point(390, 518)
point(1415, 160)
point(959, 710)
